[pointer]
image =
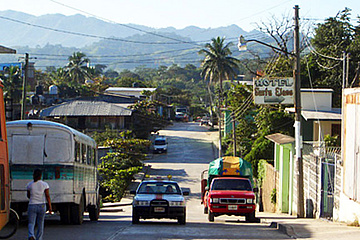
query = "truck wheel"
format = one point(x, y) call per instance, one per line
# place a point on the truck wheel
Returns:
point(182, 219)
point(135, 217)
point(210, 216)
point(206, 210)
point(250, 217)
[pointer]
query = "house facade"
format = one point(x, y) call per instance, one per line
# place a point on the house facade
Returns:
point(349, 200)
point(93, 113)
point(319, 161)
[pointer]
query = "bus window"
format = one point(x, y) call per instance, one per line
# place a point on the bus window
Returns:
point(77, 152)
point(88, 156)
point(83, 153)
point(2, 185)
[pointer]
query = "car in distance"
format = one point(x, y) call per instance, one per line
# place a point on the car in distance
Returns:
point(160, 144)
point(159, 199)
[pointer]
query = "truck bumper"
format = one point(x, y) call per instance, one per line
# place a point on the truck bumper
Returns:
point(237, 210)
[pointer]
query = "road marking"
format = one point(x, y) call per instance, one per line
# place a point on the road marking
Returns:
point(117, 235)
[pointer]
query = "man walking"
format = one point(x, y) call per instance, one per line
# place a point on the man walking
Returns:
point(38, 193)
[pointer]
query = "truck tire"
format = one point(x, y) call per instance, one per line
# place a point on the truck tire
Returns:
point(77, 212)
point(211, 216)
point(250, 217)
point(135, 217)
point(206, 210)
point(182, 219)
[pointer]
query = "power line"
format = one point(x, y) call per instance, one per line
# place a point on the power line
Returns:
point(90, 35)
point(124, 25)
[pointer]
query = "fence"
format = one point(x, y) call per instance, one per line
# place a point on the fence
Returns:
point(322, 179)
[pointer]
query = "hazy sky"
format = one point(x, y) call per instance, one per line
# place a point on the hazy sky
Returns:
point(182, 13)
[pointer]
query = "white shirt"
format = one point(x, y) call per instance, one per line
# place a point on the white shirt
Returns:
point(37, 191)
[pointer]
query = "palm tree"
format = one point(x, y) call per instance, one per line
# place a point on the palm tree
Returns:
point(77, 68)
point(218, 65)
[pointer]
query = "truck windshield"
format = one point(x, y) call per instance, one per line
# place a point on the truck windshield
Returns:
point(159, 188)
point(231, 184)
point(160, 142)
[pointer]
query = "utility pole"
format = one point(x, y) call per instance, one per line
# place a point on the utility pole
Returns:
point(234, 134)
point(297, 105)
point(23, 105)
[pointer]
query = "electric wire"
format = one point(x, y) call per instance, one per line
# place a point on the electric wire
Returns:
point(123, 25)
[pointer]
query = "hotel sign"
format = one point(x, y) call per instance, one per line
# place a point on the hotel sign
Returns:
point(274, 90)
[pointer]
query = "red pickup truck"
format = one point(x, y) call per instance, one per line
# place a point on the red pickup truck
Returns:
point(228, 189)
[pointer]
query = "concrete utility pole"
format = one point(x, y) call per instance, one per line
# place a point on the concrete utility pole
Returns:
point(297, 105)
point(23, 105)
point(234, 133)
point(297, 125)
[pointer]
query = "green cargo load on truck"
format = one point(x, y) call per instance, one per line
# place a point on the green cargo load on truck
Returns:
point(230, 166)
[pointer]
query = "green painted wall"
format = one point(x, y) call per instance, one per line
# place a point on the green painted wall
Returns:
point(285, 179)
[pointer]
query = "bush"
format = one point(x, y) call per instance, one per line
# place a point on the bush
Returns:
point(119, 166)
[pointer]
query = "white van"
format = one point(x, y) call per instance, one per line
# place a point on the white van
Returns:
point(160, 144)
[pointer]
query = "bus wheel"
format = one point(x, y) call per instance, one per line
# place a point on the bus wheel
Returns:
point(65, 214)
point(10, 228)
point(77, 212)
point(94, 211)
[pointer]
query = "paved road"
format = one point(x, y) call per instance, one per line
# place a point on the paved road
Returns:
point(190, 150)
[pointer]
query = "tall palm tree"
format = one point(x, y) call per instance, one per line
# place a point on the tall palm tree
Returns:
point(77, 68)
point(217, 66)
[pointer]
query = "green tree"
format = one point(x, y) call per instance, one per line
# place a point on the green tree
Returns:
point(218, 65)
point(12, 83)
point(333, 37)
point(119, 166)
point(77, 68)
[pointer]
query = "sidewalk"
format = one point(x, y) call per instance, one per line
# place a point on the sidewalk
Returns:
point(309, 228)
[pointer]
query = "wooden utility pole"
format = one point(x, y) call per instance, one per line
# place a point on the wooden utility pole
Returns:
point(297, 104)
point(23, 105)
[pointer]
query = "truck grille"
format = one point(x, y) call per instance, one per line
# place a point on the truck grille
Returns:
point(232, 200)
point(159, 203)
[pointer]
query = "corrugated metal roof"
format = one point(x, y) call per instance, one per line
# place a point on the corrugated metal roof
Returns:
point(128, 89)
point(333, 115)
point(280, 138)
point(86, 108)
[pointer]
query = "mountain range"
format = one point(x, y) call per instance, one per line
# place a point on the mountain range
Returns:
point(52, 38)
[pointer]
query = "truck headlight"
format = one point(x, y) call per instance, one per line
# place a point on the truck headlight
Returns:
point(141, 203)
point(214, 200)
point(250, 201)
point(176, 203)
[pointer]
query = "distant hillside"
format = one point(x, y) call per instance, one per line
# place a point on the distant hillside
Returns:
point(116, 45)
point(15, 32)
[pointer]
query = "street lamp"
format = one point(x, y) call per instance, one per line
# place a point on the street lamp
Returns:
point(297, 103)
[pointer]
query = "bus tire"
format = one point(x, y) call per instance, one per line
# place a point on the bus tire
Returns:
point(94, 211)
point(65, 214)
point(11, 227)
point(77, 212)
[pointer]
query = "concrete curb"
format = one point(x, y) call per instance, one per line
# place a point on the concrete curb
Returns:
point(284, 228)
